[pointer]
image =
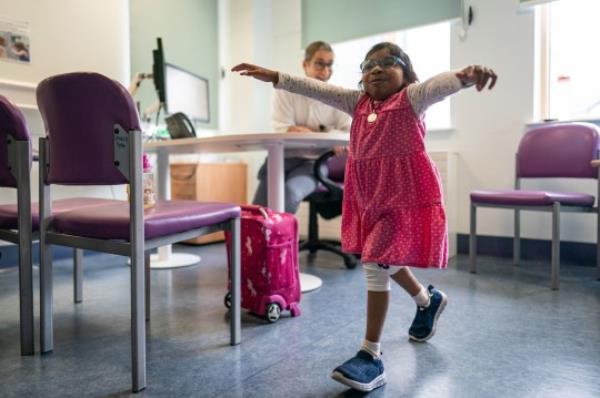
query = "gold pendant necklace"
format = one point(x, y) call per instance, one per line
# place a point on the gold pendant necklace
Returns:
point(372, 116)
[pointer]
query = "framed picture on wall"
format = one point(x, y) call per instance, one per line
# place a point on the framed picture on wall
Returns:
point(14, 40)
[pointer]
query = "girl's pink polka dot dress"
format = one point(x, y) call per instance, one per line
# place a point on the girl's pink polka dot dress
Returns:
point(393, 209)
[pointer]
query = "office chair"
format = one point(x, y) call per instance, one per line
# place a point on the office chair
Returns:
point(326, 201)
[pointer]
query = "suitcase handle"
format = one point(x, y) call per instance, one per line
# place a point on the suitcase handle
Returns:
point(264, 211)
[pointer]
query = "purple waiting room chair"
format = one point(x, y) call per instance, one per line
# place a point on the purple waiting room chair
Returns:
point(94, 138)
point(15, 164)
point(19, 222)
point(550, 151)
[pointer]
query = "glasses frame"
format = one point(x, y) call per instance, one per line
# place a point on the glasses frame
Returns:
point(322, 65)
point(379, 62)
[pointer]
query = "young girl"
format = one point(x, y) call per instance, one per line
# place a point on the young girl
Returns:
point(392, 211)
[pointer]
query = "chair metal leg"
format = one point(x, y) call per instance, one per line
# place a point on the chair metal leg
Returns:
point(235, 321)
point(138, 324)
point(517, 239)
point(313, 228)
point(26, 295)
point(46, 333)
point(473, 240)
point(46, 324)
point(137, 257)
point(554, 284)
point(148, 281)
point(21, 172)
point(25, 278)
point(312, 242)
point(77, 275)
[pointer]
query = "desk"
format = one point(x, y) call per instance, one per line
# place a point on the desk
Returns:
point(274, 143)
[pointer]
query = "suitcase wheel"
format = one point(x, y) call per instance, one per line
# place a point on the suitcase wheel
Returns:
point(273, 312)
point(227, 300)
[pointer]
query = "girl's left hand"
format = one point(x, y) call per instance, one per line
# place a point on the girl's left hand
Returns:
point(477, 75)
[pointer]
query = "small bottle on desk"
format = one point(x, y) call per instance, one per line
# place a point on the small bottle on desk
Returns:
point(148, 192)
point(148, 183)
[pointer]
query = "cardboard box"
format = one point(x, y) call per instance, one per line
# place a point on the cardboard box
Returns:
point(209, 182)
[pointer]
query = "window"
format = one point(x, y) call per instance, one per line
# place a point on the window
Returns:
point(428, 48)
point(569, 82)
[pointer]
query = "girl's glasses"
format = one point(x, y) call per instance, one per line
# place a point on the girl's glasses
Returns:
point(386, 62)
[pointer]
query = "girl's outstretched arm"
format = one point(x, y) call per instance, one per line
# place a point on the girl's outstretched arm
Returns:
point(435, 89)
point(257, 72)
point(477, 75)
point(337, 97)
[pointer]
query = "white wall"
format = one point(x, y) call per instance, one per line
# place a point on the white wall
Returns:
point(65, 36)
point(246, 31)
point(70, 35)
point(487, 126)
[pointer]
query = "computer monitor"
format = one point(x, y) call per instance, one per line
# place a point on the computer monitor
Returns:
point(186, 92)
point(158, 70)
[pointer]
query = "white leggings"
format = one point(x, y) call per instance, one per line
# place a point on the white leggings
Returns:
point(378, 276)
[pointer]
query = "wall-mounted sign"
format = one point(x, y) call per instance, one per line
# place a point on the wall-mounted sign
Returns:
point(14, 40)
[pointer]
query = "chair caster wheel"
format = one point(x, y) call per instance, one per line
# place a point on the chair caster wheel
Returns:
point(227, 300)
point(350, 261)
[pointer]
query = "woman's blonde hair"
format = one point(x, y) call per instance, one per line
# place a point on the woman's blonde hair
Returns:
point(315, 46)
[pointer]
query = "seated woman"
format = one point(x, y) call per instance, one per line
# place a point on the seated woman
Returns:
point(295, 113)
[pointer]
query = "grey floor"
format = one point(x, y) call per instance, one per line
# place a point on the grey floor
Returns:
point(503, 334)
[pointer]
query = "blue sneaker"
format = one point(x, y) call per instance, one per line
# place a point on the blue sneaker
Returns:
point(423, 326)
point(363, 372)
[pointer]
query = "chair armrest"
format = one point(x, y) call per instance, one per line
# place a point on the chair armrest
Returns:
point(321, 177)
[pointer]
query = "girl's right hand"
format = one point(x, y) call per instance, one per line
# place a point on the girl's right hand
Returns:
point(257, 72)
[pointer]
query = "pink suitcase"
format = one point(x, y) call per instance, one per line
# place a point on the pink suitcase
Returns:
point(270, 276)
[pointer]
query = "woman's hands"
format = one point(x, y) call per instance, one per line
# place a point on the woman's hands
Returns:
point(257, 72)
point(477, 75)
point(340, 150)
point(299, 129)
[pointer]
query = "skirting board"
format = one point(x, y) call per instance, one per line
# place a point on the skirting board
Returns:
point(575, 253)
